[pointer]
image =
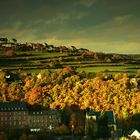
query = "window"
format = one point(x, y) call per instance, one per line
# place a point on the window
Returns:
point(4, 113)
point(14, 118)
point(14, 123)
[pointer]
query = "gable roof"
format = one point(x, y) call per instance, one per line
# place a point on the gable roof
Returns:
point(93, 113)
point(13, 106)
point(135, 133)
point(110, 115)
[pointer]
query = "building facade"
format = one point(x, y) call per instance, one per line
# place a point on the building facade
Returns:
point(16, 115)
point(92, 116)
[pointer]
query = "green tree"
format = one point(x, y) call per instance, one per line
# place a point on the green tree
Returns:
point(103, 129)
point(62, 130)
point(23, 137)
point(32, 137)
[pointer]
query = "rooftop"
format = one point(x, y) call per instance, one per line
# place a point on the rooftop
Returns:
point(21, 106)
point(109, 114)
point(13, 106)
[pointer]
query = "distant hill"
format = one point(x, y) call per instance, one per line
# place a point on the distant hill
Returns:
point(36, 56)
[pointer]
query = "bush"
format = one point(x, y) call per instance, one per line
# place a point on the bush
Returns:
point(9, 53)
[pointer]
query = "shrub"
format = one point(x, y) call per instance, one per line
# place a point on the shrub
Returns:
point(9, 53)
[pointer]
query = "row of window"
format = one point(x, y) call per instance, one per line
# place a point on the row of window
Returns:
point(42, 120)
point(13, 118)
point(4, 114)
point(12, 108)
point(5, 118)
point(13, 113)
point(24, 124)
point(13, 123)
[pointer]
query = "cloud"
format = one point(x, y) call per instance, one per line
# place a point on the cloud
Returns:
point(122, 19)
point(86, 3)
point(22, 35)
point(122, 47)
point(102, 25)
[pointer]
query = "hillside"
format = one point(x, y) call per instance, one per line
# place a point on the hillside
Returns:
point(32, 57)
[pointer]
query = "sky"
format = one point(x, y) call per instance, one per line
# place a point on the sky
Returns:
point(98, 25)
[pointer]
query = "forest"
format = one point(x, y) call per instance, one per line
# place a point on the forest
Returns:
point(68, 87)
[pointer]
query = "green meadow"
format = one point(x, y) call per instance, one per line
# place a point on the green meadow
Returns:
point(33, 61)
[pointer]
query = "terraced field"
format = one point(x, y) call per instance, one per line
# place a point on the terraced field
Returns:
point(35, 61)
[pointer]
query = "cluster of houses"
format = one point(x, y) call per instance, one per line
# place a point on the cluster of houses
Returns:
point(17, 115)
point(6, 43)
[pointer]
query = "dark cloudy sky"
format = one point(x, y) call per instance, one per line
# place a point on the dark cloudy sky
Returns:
point(100, 25)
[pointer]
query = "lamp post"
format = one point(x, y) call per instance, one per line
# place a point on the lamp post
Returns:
point(72, 129)
point(50, 129)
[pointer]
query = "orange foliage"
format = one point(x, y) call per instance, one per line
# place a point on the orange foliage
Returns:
point(9, 53)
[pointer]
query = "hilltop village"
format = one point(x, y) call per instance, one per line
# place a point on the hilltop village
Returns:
point(6, 43)
point(13, 44)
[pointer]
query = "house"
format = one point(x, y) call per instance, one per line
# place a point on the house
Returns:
point(134, 134)
point(83, 50)
point(11, 77)
point(3, 40)
point(17, 115)
point(95, 116)
point(63, 49)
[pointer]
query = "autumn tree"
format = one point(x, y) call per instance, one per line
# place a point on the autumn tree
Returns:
point(62, 130)
point(9, 53)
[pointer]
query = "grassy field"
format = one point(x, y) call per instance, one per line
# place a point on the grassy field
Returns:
point(35, 61)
